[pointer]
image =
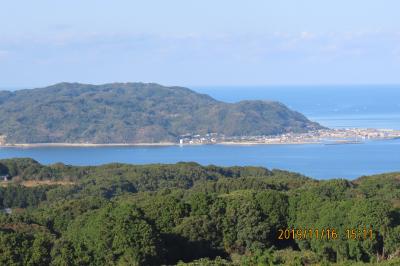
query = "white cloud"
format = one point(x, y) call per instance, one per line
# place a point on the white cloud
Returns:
point(221, 58)
point(396, 53)
point(306, 35)
point(4, 54)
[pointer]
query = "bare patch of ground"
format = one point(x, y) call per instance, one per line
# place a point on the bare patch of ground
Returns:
point(36, 183)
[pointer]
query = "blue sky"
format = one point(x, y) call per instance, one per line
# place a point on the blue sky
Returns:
point(196, 43)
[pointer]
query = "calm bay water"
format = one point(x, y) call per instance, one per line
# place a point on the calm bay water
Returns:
point(319, 161)
point(374, 107)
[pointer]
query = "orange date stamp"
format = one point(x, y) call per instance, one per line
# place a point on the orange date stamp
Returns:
point(364, 233)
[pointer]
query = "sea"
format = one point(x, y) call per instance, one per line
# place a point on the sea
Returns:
point(369, 106)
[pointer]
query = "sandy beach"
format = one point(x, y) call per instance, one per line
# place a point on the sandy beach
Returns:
point(267, 143)
point(39, 145)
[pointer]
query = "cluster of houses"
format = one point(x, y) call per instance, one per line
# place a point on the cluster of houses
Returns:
point(316, 136)
point(4, 178)
point(210, 138)
point(2, 139)
point(6, 210)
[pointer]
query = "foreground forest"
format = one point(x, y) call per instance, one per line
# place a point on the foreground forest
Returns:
point(188, 214)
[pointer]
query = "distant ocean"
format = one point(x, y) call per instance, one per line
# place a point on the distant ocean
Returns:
point(333, 106)
point(366, 106)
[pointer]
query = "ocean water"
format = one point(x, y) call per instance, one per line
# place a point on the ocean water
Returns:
point(369, 106)
point(336, 107)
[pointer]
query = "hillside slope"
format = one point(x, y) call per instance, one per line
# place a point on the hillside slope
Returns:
point(168, 214)
point(134, 113)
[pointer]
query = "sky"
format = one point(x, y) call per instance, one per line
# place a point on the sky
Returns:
point(200, 43)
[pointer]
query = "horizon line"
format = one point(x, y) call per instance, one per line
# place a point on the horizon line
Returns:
point(223, 86)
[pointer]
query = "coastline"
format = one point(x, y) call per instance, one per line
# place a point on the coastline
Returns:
point(162, 144)
point(267, 143)
point(157, 144)
point(41, 145)
point(326, 136)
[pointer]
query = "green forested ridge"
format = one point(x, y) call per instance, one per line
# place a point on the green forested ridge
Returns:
point(188, 214)
point(133, 113)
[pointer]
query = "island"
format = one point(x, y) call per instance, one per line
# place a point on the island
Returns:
point(135, 113)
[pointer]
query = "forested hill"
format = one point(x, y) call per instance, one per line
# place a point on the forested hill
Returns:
point(188, 214)
point(134, 113)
